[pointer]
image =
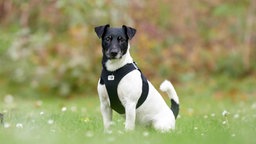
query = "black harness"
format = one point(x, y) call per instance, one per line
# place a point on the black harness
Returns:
point(111, 81)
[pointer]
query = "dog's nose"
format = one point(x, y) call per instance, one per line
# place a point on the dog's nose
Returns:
point(113, 52)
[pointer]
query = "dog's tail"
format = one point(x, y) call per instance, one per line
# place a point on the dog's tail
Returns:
point(167, 87)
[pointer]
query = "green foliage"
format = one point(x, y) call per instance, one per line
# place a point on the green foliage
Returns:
point(50, 46)
point(48, 66)
point(230, 65)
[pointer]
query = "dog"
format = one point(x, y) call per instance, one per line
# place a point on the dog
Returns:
point(123, 88)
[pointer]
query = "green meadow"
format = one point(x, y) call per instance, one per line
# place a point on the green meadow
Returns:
point(206, 116)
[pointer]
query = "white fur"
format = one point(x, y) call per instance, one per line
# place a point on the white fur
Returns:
point(167, 87)
point(154, 111)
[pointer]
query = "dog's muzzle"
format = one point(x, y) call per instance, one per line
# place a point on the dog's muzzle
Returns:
point(114, 54)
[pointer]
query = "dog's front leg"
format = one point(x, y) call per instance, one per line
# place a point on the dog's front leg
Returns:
point(105, 108)
point(106, 112)
point(130, 115)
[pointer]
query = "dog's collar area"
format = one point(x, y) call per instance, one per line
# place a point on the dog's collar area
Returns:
point(124, 69)
point(121, 72)
point(111, 81)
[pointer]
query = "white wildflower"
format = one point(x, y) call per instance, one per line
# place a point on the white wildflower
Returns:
point(224, 122)
point(63, 109)
point(50, 121)
point(225, 113)
point(19, 125)
point(41, 113)
point(213, 115)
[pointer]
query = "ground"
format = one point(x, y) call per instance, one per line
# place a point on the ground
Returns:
point(208, 115)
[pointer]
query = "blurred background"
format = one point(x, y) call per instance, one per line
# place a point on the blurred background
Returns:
point(49, 47)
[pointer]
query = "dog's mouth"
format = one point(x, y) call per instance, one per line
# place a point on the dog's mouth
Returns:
point(114, 55)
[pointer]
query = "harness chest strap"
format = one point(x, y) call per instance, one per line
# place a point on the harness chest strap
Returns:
point(111, 81)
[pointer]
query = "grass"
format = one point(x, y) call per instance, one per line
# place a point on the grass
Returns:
point(78, 120)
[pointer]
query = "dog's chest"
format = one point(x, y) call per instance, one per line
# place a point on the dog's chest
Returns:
point(117, 91)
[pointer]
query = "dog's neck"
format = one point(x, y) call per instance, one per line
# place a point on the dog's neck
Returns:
point(114, 64)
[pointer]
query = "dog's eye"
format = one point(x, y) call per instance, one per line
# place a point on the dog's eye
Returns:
point(108, 38)
point(120, 39)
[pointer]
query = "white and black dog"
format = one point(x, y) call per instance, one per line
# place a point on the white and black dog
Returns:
point(123, 88)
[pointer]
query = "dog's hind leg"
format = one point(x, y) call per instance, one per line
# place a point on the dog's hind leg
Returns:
point(164, 123)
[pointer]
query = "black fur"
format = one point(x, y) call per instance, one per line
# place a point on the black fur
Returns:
point(100, 30)
point(175, 108)
point(129, 31)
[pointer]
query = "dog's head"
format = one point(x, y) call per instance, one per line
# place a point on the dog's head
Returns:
point(114, 40)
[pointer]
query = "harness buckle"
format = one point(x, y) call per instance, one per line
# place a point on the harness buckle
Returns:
point(111, 77)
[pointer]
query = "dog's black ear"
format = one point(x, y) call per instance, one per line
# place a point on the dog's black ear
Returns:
point(100, 30)
point(129, 31)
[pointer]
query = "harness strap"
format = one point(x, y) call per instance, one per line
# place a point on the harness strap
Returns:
point(111, 81)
